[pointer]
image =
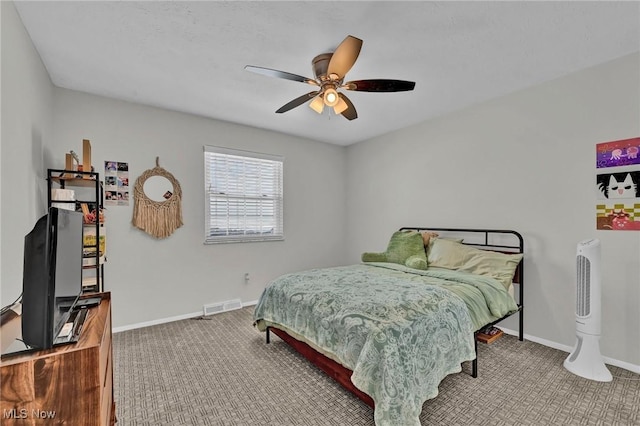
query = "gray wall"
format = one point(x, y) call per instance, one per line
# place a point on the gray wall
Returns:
point(155, 279)
point(152, 279)
point(525, 162)
point(27, 98)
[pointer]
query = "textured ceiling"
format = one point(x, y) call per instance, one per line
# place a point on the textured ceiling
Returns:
point(190, 56)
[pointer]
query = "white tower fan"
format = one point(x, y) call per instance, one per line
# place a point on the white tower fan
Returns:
point(585, 360)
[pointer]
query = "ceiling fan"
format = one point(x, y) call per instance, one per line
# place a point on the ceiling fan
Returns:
point(330, 70)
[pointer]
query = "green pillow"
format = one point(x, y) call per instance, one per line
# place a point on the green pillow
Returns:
point(405, 248)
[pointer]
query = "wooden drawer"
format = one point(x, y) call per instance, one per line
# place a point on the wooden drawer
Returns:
point(105, 349)
point(73, 381)
point(107, 395)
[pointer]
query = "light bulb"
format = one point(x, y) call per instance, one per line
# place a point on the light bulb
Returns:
point(331, 97)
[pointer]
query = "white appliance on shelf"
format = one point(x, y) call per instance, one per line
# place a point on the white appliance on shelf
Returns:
point(63, 195)
point(586, 360)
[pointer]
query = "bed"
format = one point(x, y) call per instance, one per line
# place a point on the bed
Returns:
point(390, 333)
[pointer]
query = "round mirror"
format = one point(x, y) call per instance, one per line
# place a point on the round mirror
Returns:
point(158, 188)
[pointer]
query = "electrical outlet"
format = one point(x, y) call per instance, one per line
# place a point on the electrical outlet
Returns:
point(246, 277)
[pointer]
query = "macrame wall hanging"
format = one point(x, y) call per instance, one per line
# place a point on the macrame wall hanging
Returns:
point(157, 218)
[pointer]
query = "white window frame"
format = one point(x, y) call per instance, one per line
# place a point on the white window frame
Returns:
point(258, 187)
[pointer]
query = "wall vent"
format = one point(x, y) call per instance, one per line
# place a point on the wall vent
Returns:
point(216, 308)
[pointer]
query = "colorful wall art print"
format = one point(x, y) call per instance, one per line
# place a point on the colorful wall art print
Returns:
point(613, 186)
point(618, 153)
point(116, 180)
point(618, 217)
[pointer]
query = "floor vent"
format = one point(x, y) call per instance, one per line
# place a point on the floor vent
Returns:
point(216, 308)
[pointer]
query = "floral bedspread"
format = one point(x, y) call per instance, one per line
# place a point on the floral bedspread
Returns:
point(400, 331)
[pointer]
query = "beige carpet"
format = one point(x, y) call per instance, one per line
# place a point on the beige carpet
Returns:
point(219, 371)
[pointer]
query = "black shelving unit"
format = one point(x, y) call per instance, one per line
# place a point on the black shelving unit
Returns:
point(92, 187)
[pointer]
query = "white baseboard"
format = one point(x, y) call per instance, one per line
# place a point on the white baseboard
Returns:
point(169, 319)
point(611, 361)
point(156, 322)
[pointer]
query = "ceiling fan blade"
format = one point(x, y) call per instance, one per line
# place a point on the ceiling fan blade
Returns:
point(380, 85)
point(296, 102)
point(280, 74)
point(349, 113)
point(344, 57)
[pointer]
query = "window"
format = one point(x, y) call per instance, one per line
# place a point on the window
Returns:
point(243, 196)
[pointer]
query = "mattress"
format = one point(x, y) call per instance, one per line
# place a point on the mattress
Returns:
point(400, 330)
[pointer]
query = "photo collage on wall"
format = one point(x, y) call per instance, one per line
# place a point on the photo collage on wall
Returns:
point(116, 183)
point(618, 185)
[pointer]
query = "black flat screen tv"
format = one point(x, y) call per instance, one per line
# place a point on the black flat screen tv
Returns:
point(52, 276)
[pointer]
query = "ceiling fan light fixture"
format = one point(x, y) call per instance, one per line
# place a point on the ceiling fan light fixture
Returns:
point(317, 104)
point(340, 107)
point(330, 70)
point(331, 97)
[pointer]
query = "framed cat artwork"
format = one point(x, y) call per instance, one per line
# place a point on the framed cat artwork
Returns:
point(618, 207)
point(620, 185)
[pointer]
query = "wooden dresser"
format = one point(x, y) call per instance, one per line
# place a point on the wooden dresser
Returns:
point(66, 385)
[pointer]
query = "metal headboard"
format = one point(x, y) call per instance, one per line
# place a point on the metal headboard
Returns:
point(485, 243)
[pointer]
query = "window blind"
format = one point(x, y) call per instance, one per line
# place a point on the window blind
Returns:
point(243, 196)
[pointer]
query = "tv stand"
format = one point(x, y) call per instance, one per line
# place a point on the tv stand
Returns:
point(72, 383)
